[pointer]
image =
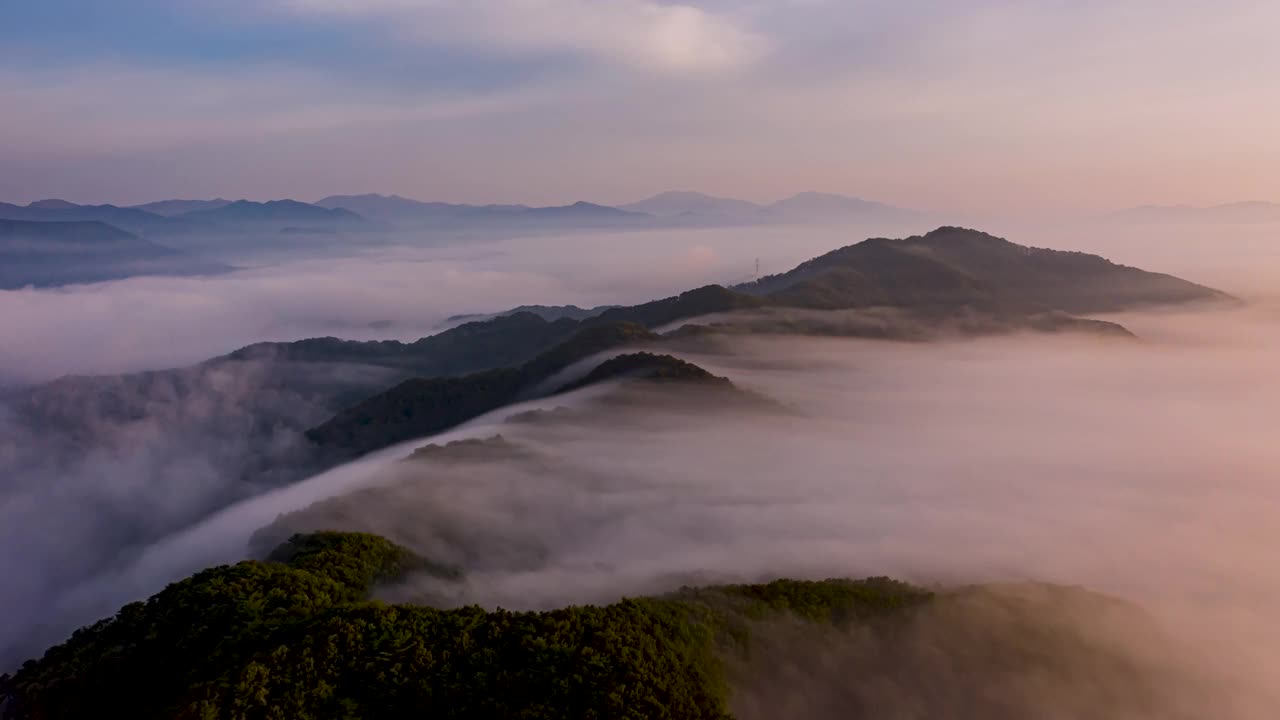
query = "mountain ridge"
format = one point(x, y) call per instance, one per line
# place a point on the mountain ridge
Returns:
point(139, 222)
point(679, 203)
point(173, 208)
point(55, 253)
point(953, 263)
point(399, 209)
point(1241, 212)
point(276, 213)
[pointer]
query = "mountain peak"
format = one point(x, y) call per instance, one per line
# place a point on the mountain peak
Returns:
point(52, 204)
point(813, 204)
point(286, 211)
point(823, 199)
point(946, 232)
point(675, 203)
point(175, 207)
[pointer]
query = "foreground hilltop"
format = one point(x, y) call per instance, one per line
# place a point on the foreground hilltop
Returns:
point(297, 636)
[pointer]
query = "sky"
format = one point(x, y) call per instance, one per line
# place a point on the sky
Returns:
point(981, 105)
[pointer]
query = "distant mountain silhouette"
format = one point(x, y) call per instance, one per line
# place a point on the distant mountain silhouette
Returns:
point(700, 208)
point(826, 206)
point(685, 204)
point(279, 214)
point(171, 208)
point(374, 211)
point(406, 212)
point(582, 210)
point(133, 220)
point(52, 204)
point(546, 312)
point(60, 253)
point(1238, 212)
point(391, 208)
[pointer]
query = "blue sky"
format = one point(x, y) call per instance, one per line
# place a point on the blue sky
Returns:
point(983, 105)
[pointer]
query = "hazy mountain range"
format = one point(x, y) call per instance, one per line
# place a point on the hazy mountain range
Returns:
point(170, 208)
point(66, 252)
point(133, 220)
point(413, 213)
point(1229, 213)
point(381, 212)
point(163, 230)
point(367, 212)
point(666, 208)
point(278, 214)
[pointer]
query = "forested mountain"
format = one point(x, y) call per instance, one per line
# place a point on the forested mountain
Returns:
point(955, 266)
point(297, 634)
point(423, 406)
point(804, 207)
point(546, 312)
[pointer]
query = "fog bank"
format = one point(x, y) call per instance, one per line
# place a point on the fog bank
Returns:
point(1143, 469)
point(1137, 468)
point(402, 289)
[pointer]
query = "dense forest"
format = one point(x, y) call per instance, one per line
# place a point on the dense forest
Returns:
point(297, 636)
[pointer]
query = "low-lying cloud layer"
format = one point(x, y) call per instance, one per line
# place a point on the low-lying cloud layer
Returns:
point(1137, 468)
point(365, 292)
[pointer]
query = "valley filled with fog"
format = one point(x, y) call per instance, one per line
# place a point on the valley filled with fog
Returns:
point(639, 359)
point(1142, 468)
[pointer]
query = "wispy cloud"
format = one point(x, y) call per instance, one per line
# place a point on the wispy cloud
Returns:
point(978, 106)
point(639, 33)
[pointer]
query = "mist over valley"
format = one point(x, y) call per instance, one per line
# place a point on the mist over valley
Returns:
point(854, 416)
point(632, 359)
